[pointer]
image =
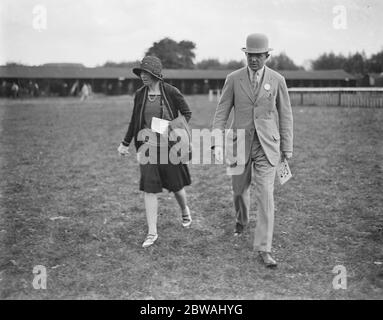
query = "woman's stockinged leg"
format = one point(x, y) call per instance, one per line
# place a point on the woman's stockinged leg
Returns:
point(181, 198)
point(151, 207)
point(182, 202)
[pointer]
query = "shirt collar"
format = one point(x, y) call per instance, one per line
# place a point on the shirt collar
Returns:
point(259, 72)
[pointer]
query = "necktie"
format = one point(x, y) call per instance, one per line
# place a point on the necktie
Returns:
point(254, 81)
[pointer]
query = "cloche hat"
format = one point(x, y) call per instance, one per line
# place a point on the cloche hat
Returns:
point(150, 64)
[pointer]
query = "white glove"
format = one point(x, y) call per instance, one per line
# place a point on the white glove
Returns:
point(287, 155)
point(218, 154)
point(123, 150)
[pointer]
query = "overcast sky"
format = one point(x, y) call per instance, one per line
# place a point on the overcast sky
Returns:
point(94, 31)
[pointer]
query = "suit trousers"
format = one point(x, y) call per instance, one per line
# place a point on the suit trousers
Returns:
point(264, 177)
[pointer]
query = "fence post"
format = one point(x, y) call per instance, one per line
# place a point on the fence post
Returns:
point(343, 97)
point(210, 95)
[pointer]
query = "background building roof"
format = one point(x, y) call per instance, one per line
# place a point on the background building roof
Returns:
point(64, 71)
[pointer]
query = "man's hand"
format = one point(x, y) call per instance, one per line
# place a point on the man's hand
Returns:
point(122, 150)
point(287, 155)
point(218, 153)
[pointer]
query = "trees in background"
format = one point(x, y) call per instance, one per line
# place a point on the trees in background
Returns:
point(328, 61)
point(14, 64)
point(212, 63)
point(215, 64)
point(375, 63)
point(180, 55)
point(282, 62)
point(278, 62)
point(357, 63)
point(173, 54)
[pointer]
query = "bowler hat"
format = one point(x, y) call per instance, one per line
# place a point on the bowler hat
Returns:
point(150, 64)
point(257, 43)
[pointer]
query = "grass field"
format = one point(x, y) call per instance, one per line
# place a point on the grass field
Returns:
point(71, 204)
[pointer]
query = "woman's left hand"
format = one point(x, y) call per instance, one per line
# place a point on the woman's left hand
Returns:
point(123, 150)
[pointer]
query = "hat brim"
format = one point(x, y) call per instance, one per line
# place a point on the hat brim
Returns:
point(262, 50)
point(137, 72)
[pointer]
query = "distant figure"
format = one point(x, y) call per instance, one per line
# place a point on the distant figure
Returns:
point(36, 89)
point(15, 90)
point(3, 89)
point(64, 89)
point(33, 89)
point(90, 90)
point(73, 90)
point(110, 88)
point(30, 88)
point(119, 87)
point(84, 92)
point(206, 86)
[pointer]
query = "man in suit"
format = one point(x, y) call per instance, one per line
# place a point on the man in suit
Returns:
point(262, 108)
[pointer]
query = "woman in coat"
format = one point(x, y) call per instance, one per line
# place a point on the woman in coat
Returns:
point(161, 100)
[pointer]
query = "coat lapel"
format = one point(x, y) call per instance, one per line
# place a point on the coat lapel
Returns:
point(266, 79)
point(246, 85)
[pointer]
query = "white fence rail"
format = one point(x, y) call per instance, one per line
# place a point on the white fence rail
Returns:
point(346, 97)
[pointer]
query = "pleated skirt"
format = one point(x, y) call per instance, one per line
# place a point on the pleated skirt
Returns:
point(156, 176)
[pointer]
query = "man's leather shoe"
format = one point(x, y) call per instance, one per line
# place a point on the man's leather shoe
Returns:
point(267, 259)
point(238, 230)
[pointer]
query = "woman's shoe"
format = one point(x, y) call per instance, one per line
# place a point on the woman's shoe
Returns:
point(186, 218)
point(150, 239)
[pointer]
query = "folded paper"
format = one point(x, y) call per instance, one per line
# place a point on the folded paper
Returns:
point(284, 172)
point(159, 125)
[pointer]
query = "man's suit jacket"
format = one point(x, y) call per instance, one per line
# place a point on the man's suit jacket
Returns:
point(268, 111)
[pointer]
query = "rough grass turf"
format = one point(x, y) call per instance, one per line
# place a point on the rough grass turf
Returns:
point(70, 203)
